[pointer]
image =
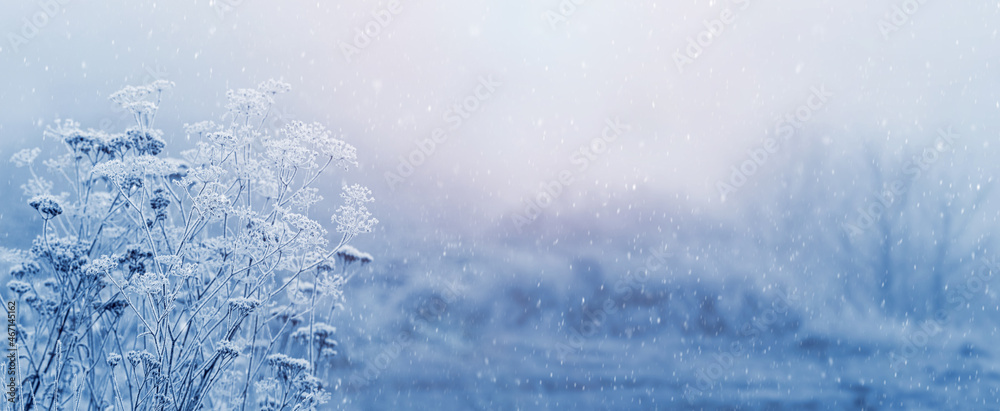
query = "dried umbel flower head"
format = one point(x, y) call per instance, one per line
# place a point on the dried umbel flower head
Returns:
point(19, 287)
point(100, 265)
point(228, 349)
point(242, 305)
point(331, 285)
point(212, 203)
point(133, 94)
point(46, 205)
point(25, 157)
point(316, 135)
point(159, 203)
point(145, 142)
point(287, 368)
point(146, 358)
point(130, 94)
point(27, 269)
point(132, 172)
point(273, 87)
point(116, 307)
point(353, 217)
point(247, 102)
point(320, 334)
point(347, 254)
point(161, 85)
point(114, 359)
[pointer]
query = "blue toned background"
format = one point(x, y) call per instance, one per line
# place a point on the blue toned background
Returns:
point(651, 205)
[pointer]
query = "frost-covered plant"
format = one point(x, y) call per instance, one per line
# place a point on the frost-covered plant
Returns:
point(170, 277)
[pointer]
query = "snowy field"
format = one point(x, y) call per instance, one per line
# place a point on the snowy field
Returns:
point(675, 344)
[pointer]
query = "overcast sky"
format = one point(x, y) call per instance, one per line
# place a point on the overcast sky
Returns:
point(558, 76)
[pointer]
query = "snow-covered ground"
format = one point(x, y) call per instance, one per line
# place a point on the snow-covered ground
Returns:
point(501, 325)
